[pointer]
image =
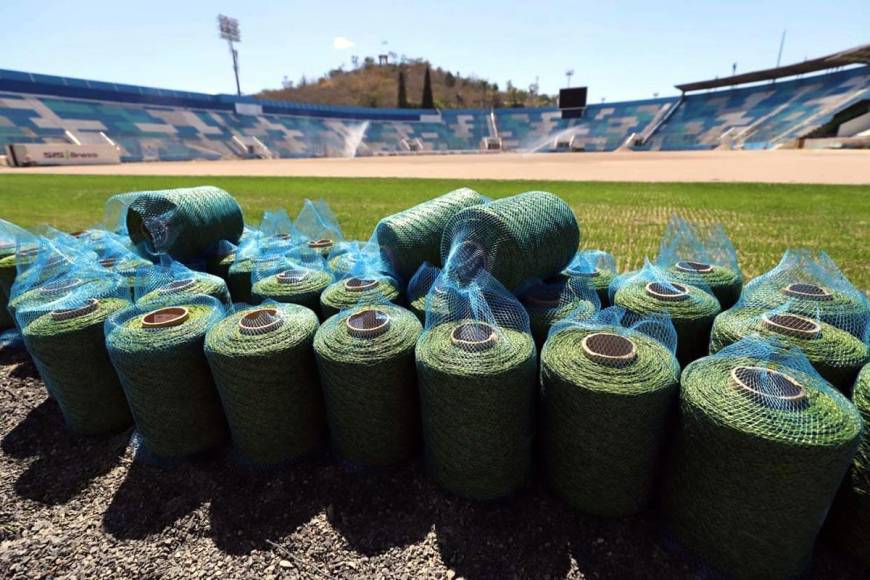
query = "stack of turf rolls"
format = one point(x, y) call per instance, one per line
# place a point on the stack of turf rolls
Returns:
point(418, 289)
point(15, 244)
point(263, 365)
point(365, 356)
point(413, 236)
point(549, 301)
point(849, 522)
point(597, 268)
point(158, 355)
point(289, 281)
point(701, 255)
point(691, 308)
point(173, 281)
point(64, 335)
point(476, 366)
point(609, 386)
point(184, 223)
point(836, 354)
point(363, 287)
point(813, 286)
point(530, 235)
point(763, 445)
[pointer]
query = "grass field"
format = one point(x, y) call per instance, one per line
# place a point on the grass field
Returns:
point(624, 218)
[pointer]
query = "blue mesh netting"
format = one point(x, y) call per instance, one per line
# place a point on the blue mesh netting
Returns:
point(618, 320)
point(548, 301)
point(171, 281)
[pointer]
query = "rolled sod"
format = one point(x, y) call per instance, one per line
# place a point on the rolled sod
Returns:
point(185, 223)
point(725, 283)
point(167, 380)
point(367, 369)
point(413, 236)
point(353, 291)
point(761, 451)
point(69, 350)
point(691, 309)
point(605, 421)
point(530, 235)
point(476, 407)
point(835, 354)
point(296, 286)
point(263, 366)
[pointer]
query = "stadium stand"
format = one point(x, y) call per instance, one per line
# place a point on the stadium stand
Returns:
point(156, 124)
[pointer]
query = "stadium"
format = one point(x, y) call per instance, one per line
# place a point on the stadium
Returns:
point(247, 337)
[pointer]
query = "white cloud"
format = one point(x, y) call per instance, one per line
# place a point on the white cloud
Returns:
point(341, 43)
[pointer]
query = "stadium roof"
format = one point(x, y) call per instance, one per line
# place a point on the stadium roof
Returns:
point(857, 55)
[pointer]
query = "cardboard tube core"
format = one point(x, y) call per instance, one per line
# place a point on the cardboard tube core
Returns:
point(474, 336)
point(292, 276)
point(807, 291)
point(165, 317)
point(669, 292)
point(108, 262)
point(359, 284)
point(320, 244)
point(367, 323)
point(177, 286)
point(791, 325)
point(768, 387)
point(609, 349)
point(694, 267)
point(260, 321)
point(67, 313)
point(584, 273)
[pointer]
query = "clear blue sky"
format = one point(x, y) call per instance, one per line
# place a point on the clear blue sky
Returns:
point(620, 49)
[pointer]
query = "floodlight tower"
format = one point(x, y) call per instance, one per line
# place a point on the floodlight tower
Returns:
point(568, 74)
point(229, 31)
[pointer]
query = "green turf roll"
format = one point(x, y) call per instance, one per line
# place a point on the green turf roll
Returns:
point(477, 407)
point(352, 291)
point(604, 420)
point(127, 267)
point(296, 286)
point(596, 269)
point(849, 523)
point(835, 354)
point(218, 264)
point(61, 287)
point(263, 365)
point(691, 309)
point(725, 283)
point(185, 223)
point(239, 281)
point(413, 236)
point(69, 350)
point(189, 285)
point(553, 301)
point(366, 362)
point(758, 461)
point(7, 278)
point(530, 235)
point(167, 380)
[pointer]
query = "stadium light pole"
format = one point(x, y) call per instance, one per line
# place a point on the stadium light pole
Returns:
point(568, 74)
point(229, 31)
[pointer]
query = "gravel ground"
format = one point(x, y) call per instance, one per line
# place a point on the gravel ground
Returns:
point(82, 508)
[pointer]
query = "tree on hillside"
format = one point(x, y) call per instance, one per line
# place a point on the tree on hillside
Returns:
point(427, 102)
point(403, 95)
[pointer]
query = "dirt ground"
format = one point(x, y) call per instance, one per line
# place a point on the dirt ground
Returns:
point(782, 166)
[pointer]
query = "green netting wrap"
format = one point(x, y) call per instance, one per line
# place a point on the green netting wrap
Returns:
point(366, 360)
point(849, 522)
point(609, 386)
point(65, 338)
point(295, 284)
point(185, 223)
point(691, 308)
point(763, 445)
point(835, 354)
point(596, 268)
point(812, 285)
point(263, 365)
point(368, 289)
point(701, 255)
point(413, 236)
point(477, 365)
point(549, 301)
point(530, 235)
point(174, 282)
point(159, 358)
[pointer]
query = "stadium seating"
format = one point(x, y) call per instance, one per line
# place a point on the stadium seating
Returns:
point(157, 124)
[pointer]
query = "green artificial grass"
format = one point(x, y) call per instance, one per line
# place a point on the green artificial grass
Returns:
point(626, 219)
